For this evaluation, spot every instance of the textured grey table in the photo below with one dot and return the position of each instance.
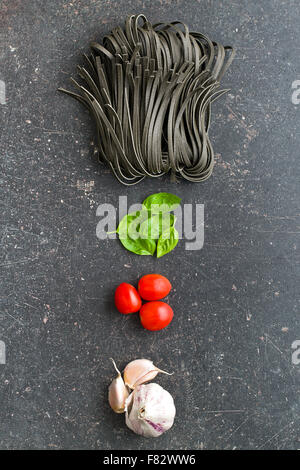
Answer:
(235, 300)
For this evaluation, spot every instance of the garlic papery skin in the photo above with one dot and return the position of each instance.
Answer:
(117, 393)
(140, 371)
(150, 410)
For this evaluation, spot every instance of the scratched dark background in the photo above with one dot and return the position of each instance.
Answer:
(235, 301)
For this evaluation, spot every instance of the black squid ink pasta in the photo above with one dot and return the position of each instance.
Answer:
(149, 89)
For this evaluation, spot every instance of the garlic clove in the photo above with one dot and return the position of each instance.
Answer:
(117, 393)
(147, 377)
(140, 371)
(150, 410)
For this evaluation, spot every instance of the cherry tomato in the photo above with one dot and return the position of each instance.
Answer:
(156, 315)
(127, 298)
(154, 287)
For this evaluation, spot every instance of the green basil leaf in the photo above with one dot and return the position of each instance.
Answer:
(138, 231)
(167, 241)
(139, 246)
(135, 224)
(161, 202)
(154, 226)
(122, 229)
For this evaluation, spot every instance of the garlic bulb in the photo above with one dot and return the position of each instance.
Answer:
(140, 371)
(150, 410)
(117, 393)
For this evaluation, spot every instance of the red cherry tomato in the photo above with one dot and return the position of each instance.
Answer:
(156, 315)
(127, 298)
(154, 287)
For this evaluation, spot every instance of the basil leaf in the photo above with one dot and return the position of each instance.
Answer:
(123, 227)
(167, 241)
(139, 246)
(154, 226)
(161, 202)
(138, 231)
(135, 224)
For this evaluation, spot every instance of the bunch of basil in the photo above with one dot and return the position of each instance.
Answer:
(152, 229)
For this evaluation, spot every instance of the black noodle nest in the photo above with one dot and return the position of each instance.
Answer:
(150, 89)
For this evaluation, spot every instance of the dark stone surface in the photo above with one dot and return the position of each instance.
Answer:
(235, 300)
